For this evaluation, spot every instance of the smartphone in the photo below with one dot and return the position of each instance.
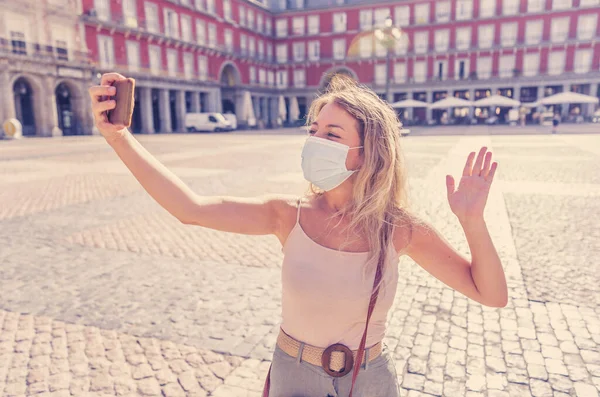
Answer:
(124, 99)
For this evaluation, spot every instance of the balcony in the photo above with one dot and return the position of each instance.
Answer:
(19, 49)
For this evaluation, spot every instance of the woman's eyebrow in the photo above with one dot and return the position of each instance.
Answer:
(330, 126)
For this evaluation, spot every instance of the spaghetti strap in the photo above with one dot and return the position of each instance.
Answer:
(298, 212)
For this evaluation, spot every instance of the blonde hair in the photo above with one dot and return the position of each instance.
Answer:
(380, 198)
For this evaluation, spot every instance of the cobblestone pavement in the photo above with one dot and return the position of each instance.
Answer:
(102, 293)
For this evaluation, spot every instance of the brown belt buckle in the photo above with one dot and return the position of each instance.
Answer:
(348, 360)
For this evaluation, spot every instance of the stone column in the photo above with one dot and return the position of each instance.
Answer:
(146, 110)
(180, 110)
(429, 112)
(195, 102)
(165, 111)
(593, 92)
(50, 114)
(540, 96)
(213, 102)
(7, 102)
(471, 98)
(565, 106)
(274, 110)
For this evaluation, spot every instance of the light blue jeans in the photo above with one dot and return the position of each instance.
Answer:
(291, 377)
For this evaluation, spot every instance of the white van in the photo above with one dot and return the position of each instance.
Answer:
(232, 119)
(207, 122)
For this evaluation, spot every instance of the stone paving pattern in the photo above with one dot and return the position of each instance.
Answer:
(103, 293)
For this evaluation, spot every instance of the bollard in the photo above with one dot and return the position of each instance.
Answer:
(13, 129)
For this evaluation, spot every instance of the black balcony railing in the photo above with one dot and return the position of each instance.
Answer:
(41, 52)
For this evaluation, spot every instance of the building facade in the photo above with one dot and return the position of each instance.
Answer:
(44, 67)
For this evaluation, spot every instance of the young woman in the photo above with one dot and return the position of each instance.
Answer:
(341, 242)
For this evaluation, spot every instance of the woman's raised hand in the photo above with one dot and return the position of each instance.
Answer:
(102, 102)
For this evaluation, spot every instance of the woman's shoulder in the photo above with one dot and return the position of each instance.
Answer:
(406, 223)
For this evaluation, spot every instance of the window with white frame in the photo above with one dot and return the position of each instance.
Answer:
(339, 49)
(400, 72)
(586, 26)
(268, 26)
(202, 67)
(533, 31)
(210, 6)
(133, 55)
(243, 44)
(442, 40)
(107, 51)
(507, 65)
(401, 46)
(559, 29)
(464, 10)
(300, 78)
(188, 65)
(271, 78)
(260, 24)
(252, 76)
(227, 9)
(420, 72)
(561, 4)
(508, 34)
(282, 27)
(298, 26)
(487, 8)
(463, 38)
(186, 2)
(262, 77)
(171, 23)
(172, 64)
(556, 62)
(299, 4)
(228, 36)
(251, 46)
(313, 24)
(186, 28)
(314, 50)
(461, 69)
(442, 11)
(282, 79)
(151, 13)
(282, 53)
(366, 19)
(199, 4)
(421, 42)
(510, 7)
(486, 36)
(484, 67)
(589, 3)
(261, 49)
(380, 50)
(250, 16)
(102, 8)
(583, 60)
(366, 47)
(380, 74)
(155, 58)
(536, 5)
(242, 15)
(402, 16)
(422, 14)
(201, 32)
(531, 64)
(441, 69)
(130, 13)
(212, 35)
(380, 16)
(339, 22)
(299, 51)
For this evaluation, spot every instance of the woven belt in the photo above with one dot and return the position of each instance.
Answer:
(332, 359)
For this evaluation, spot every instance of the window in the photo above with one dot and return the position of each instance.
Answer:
(106, 49)
(380, 50)
(186, 2)
(282, 79)
(536, 5)
(533, 31)
(243, 44)
(508, 34)
(250, 16)
(227, 9)
(270, 52)
(402, 16)
(486, 36)
(151, 12)
(260, 23)
(201, 32)
(510, 7)
(186, 28)
(282, 54)
(314, 50)
(271, 78)
(442, 40)
(422, 14)
(299, 51)
(212, 35)
(559, 29)
(484, 67)
(463, 38)
(171, 23)
(588, 3)
(251, 46)
(507, 66)
(556, 62)
(366, 19)
(261, 49)
(583, 61)
(242, 16)
(487, 8)
(154, 55)
(268, 27)
(400, 72)
(339, 22)
(172, 65)
(252, 75)
(464, 9)
(441, 70)
(130, 13)
(262, 77)
(402, 45)
(199, 4)
(228, 40)
(366, 47)
(300, 78)
(313, 24)
(102, 8)
(299, 4)
(62, 50)
(561, 4)
(339, 49)
(298, 26)
(531, 64)
(188, 65)
(421, 42)
(202, 67)
(210, 6)
(420, 72)
(380, 74)
(282, 27)
(586, 26)
(442, 11)
(381, 14)
(461, 69)
(133, 55)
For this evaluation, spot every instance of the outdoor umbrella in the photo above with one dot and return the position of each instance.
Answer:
(294, 109)
(568, 97)
(497, 100)
(248, 109)
(451, 102)
(409, 103)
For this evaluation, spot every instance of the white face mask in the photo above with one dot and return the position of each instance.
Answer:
(324, 162)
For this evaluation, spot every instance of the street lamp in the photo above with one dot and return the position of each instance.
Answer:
(388, 36)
